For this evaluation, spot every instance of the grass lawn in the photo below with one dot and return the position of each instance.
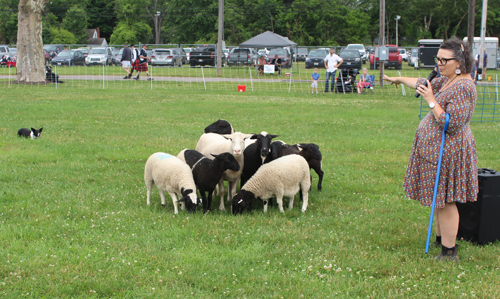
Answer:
(74, 220)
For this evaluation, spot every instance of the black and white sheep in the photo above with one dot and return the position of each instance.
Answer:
(255, 154)
(207, 172)
(309, 151)
(212, 143)
(170, 174)
(220, 127)
(283, 177)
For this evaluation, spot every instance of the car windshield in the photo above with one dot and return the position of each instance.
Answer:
(187, 50)
(302, 51)
(65, 53)
(50, 48)
(355, 47)
(97, 51)
(350, 54)
(277, 52)
(317, 53)
(392, 49)
(162, 52)
(414, 54)
(240, 51)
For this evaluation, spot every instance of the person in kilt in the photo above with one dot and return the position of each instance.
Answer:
(142, 63)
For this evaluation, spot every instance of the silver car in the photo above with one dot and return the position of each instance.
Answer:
(171, 57)
(99, 56)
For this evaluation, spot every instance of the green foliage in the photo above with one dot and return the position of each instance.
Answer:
(76, 22)
(60, 36)
(130, 33)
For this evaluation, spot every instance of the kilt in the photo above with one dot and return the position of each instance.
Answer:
(140, 67)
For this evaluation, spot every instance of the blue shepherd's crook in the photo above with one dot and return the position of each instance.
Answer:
(436, 183)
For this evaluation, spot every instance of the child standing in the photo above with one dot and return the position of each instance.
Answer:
(314, 78)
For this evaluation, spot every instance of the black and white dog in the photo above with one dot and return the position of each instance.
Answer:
(50, 76)
(33, 133)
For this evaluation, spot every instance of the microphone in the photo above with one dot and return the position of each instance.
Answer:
(432, 75)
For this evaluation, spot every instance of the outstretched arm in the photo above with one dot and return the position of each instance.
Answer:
(408, 81)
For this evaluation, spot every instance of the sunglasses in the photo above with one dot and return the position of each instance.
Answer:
(443, 61)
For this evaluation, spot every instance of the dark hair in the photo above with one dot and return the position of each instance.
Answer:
(461, 51)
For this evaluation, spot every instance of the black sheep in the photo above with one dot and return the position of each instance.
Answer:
(207, 172)
(220, 127)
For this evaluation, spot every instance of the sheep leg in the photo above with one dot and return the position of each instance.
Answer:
(149, 185)
(290, 203)
(316, 165)
(206, 203)
(162, 196)
(265, 206)
(279, 200)
(174, 200)
(221, 189)
(305, 201)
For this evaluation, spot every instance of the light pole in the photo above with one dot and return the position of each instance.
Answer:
(157, 27)
(397, 19)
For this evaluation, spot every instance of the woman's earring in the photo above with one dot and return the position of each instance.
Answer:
(457, 71)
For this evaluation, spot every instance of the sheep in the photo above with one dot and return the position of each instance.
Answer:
(206, 172)
(211, 143)
(174, 176)
(280, 177)
(254, 155)
(220, 127)
(309, 151)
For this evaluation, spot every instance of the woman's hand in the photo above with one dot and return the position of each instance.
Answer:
(393, 80)
(426, 92)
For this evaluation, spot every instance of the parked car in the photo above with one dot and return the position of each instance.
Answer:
(242, 56)
(302, 54)
(187, 51)
(4, 50)
(150, 54)
(13, 53)
(360, 48)
(413, 61)
(118, 57)
(352, 59)
(403, 54)
(395, 60)
(52, 49)
(171, 57)
(283, 54)
(99, 56)
(205, 55)
(316, 58)
(226, 52)
(69, 58)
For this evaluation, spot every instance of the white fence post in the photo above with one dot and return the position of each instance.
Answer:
(203, 74)
(251, 82)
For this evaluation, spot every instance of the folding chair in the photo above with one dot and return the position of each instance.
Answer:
(372, 81)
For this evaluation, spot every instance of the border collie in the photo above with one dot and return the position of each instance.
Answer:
(33, 133)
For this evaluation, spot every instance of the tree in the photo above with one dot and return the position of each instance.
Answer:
(130, 33)
(76, 22)
(30, 62)
(62, 36)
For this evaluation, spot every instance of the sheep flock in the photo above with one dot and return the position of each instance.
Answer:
(263, 167)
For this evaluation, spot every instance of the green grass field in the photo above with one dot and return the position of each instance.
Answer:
(74, 221)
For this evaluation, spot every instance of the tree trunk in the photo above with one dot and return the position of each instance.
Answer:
(30, 62)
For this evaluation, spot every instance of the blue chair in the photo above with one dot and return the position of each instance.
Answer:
(371, 81)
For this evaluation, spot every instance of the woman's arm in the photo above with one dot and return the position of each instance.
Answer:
(408, 81)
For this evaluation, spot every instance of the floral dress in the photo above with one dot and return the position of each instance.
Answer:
(458, 177)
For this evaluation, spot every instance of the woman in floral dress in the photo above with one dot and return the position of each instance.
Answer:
(453, 93)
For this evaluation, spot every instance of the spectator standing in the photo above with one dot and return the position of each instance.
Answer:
(473, 74)
(332, 62)
(143, 63)
(314, 79)
(485, 63)
(126, 58)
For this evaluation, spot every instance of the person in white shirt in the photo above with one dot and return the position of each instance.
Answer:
(332, 62)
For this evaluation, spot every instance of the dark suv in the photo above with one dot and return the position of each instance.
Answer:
(283, 54)
(352, 59)
(241, 56)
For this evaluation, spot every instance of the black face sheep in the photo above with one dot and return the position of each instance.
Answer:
(211, 143)
(309, 151)
(220, 127)
(280, 178)
(206, 172)
(174, 176)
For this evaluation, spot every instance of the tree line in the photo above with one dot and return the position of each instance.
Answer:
(306, 22)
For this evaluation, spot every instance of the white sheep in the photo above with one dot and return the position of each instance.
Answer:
(174, 176)
(214, 144)
(280, 178)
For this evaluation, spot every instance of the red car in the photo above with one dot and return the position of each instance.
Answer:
(395, 60)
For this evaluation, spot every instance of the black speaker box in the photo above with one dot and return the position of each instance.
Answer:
(480, 220)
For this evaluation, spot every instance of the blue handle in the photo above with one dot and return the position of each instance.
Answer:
(436, 183)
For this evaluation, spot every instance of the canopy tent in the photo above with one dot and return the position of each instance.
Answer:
(268, 39)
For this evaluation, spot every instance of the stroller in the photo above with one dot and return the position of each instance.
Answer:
(50, 76)
(346, 80)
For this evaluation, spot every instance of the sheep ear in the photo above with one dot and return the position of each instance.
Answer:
(182, 199)
(228, 137)
(220, 157)
(248, 136)
(254, 136)
(274, 136)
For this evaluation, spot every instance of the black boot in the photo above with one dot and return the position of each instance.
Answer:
(136, 78)
(448, 254)
(437, 243)
(129, 75)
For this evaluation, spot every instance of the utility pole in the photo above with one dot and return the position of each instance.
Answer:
(471, 21)
(398, 17)
(483, 34)
(157, 27)
(381, 41)
(219, 38)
